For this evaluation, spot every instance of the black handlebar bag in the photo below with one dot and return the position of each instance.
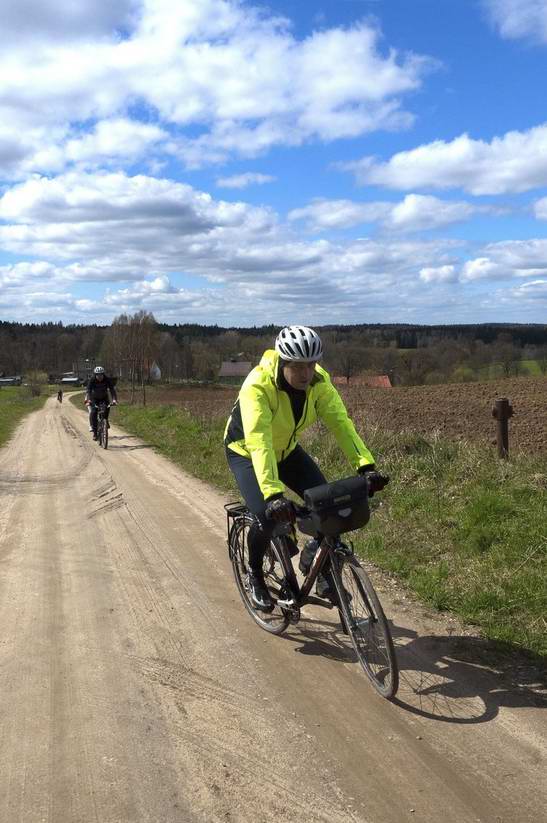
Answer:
(337, 507)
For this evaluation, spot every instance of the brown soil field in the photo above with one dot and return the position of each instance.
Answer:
(456, 410)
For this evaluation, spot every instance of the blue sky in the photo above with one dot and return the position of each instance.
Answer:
(238, 163)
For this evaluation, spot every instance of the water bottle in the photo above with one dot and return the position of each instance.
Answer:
(307, 555)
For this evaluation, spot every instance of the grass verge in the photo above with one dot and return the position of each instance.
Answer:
(15, 403)
(464, 530)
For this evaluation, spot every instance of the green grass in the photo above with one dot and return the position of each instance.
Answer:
(527, 368)
(15, 403)
(464, 530)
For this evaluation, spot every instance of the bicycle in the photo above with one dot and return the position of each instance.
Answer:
(331, 509)
(102, 424)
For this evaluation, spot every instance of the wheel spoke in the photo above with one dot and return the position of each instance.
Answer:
(275, 621)
(368, 629)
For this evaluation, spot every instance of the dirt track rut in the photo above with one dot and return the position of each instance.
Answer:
(134, 687)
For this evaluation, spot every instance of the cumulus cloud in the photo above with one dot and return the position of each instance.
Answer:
(416, 212)
(144, 233)
(323, 214)
(540, 209)
(241, 181)
(225, 67)
(439, 274)
(515, 162)
(508, 259)
(54, 21)
(117, 138)
(520, 19)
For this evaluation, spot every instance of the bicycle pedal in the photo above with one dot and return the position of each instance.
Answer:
(286, 602)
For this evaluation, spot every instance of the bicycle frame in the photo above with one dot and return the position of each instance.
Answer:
(302, 592)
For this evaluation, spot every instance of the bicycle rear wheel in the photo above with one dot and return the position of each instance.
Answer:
(367, 626)
(277, 620)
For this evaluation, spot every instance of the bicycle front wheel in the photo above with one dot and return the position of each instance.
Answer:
(105, 434)
(277, 620)
(367, 626)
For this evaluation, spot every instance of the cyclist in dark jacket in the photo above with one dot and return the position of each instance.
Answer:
(282, 396)
(97, 391)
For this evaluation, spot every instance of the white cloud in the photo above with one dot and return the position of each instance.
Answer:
(508, 259)
(515, 162)
(241, 181)
(439, 274)
(483, 268)
(117, 138)
(416, 212)
(87, 198)
(238, 74)
(339, 214)
(58, 20)
(530, 296)
(145, 232)
(540, 209)
(516, 19)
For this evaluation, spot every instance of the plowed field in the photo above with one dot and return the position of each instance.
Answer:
(462, 410)
(457, 410)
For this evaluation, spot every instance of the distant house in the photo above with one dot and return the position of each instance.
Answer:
(378, 381)
(234, 371)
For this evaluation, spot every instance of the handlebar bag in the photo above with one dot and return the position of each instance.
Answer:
(338, 507)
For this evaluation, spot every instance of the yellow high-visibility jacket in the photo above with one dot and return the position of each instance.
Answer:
(262, 425)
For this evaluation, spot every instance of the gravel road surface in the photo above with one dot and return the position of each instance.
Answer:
(134, 687)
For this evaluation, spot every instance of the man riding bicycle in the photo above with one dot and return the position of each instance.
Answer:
(97, 391)
(282, 396)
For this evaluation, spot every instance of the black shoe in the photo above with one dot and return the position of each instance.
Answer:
(293, 548)
(95, 436)
(325, 587)
(259, 594)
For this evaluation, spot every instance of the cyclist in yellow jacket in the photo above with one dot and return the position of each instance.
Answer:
(282, 396)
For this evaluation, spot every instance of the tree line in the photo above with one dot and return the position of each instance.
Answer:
(135, 345)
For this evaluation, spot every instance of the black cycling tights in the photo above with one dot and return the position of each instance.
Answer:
(298, 471)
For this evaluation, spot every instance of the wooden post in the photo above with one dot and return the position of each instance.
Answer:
(502, 411)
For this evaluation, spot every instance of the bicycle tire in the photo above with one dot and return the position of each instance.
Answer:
(276, 621)
(367, 625)
(104, 441)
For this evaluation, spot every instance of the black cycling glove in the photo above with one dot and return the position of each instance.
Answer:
(281, 510)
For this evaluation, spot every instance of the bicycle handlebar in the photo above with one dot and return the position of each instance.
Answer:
(376, 482)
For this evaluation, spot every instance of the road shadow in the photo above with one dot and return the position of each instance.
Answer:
(448, 678)
(461, 679)
(114, 443)
(322, 638)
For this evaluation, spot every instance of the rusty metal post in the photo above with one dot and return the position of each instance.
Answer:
(502, 411)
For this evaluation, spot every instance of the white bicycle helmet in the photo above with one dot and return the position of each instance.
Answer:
(299, 344)
(98, 370)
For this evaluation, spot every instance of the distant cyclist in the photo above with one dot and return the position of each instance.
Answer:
(60, 395)
(282, 396)
(97, 391)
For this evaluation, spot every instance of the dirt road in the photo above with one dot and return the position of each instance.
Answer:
(134, 687)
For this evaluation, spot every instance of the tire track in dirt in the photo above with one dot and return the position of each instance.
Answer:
(134, 686)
